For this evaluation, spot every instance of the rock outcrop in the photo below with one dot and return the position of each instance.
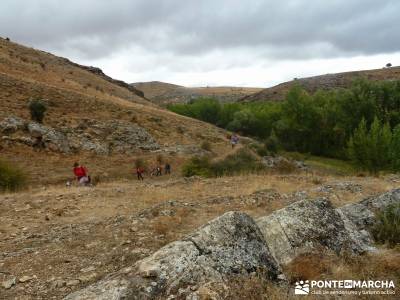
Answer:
(231, 244)
(11, 125)
(235, 244)
(99, 72)
(360, 217)
(89, 135)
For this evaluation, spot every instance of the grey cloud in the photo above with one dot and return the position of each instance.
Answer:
(191, 29)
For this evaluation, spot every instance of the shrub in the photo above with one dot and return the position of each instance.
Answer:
(205, 145)
(285, 166)
(11, 178)
(37, 110)
(272, 143)
(242, 161)
(260, 149)
(387, 227)
(197, 166)
(269, 148)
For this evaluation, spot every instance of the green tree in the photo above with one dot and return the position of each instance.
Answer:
(37, 110)
(395, 149)
(370, 150)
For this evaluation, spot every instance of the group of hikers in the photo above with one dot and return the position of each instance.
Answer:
(83, 178)
(156, 171)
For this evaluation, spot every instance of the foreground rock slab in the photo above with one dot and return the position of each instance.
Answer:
(231, 244)
(234, 244)
(304, 226)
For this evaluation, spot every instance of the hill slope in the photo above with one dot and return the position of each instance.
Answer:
(91, 117)
(326, 82)
(163, 93)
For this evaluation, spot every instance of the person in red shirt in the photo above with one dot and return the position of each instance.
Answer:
(139, 173)
(81, 174)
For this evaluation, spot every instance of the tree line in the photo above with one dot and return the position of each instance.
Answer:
(359, 123)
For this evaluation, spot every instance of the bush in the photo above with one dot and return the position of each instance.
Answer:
(197, 166)
(260, 149)
(272, 143)
(285, 166)
(11, 178)
(37, 110)
(242, 161)
(387, 227)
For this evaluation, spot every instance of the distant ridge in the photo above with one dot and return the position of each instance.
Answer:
(325, 82)
(163, 93)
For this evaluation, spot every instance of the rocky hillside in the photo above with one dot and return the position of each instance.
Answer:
(90, 117)
(163, 93)
(325, 82)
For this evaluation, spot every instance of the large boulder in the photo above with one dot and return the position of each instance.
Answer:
(303, 227)
(231, 244)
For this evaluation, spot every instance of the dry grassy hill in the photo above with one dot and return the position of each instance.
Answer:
(163, 93)
(57, 239)
(326, 82)
(82, 102)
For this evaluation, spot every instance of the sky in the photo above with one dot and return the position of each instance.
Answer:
(210, 42)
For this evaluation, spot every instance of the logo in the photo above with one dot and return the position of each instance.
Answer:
(345, 287)
(302, 288)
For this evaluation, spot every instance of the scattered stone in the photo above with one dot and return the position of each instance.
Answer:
(73, 282)
(276, 161)
(8, 282)
(26, 278)
(340, 186)
(87, 277)
(140, 252)
(56, 284)
(88, 269)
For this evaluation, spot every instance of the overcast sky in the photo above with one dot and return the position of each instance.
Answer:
(210, 42)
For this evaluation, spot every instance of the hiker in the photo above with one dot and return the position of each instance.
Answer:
(153, 172)
(139, 173)
(234, 140)
(158, 171)
(81, 174)
(167, 169)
